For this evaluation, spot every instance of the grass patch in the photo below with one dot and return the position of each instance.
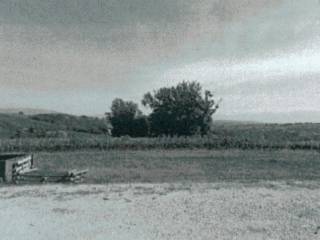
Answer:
(186, 165)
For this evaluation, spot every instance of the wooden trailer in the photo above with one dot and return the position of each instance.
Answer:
(19, 168)
(12, 164)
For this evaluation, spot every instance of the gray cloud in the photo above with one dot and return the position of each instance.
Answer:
(125, 47)
(295, 85)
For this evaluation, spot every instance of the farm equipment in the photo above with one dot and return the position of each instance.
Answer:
(19, 168)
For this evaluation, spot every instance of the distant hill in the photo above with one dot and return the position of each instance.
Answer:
(233, 122)
(26, 111)
(272, 117)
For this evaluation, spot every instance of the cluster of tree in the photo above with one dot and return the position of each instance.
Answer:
(181, 110)
(127, 119)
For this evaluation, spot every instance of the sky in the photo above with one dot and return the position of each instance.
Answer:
(76, 56)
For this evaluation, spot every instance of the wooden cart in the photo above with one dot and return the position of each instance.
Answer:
(19, 168)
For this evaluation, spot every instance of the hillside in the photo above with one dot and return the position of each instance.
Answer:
(11, 124)
(83, 124)
(49, 125)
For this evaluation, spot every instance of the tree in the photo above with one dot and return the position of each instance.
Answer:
(180, 110)
(127, 119)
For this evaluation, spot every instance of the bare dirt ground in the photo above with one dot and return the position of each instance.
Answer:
(161, 211)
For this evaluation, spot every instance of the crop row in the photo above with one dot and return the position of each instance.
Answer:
(105, 143)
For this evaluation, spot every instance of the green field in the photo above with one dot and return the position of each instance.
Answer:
(232, 151)
(186, 165)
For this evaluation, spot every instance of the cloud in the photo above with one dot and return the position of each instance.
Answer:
(127, 47)
(226, 73)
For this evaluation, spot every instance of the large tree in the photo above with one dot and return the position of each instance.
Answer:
(180, 110)
(127, 119)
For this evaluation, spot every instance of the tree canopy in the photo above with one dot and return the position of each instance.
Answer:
(180, 110)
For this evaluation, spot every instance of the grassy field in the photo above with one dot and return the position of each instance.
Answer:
(186, 165)
(233, 151)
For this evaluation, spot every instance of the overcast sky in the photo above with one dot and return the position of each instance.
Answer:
(76, 56)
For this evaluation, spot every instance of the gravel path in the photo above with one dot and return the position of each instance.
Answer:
(160, 211)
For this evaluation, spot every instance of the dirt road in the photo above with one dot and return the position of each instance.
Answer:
(160, 211)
